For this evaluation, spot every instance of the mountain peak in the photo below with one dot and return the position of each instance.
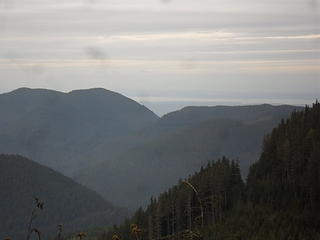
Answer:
(32, 92)
(26, 90)
(55, 122)
(92, 90)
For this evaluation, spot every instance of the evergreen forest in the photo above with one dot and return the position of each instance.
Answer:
(280, 199)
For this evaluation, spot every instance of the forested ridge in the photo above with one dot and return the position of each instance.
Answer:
(96, 136)
(280, 199)
(177, 145)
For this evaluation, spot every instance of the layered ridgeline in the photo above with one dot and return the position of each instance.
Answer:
(281, 199)
(178, 144)
(65, 202)
(112, 144)
(58, 129)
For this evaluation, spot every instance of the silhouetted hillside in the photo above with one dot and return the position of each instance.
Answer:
(56, 128)
(189, 116)
(281, 199)
(178, 144)
(112, 144)
(65, 202)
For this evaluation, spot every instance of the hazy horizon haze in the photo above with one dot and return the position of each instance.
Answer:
(165, 54)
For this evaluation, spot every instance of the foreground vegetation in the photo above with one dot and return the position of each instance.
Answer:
(280, 200)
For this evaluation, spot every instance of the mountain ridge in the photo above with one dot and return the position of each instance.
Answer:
(178, 147)
(279, 200)
(65, 201)
(55, 128)
(86, 132)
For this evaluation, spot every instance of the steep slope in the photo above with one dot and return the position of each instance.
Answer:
(281, 199)
(178, 144)
(56, 128)
(65, 202)
(176, 213)
(286, 179)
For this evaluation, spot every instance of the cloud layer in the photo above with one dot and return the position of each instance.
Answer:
(167, 49)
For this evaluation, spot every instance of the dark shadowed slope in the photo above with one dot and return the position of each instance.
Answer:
(56, 128)
(65, 202)
(112, 144)
(280, 200)
(178, 144)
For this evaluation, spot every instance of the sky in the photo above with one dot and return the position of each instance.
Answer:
(165, 54)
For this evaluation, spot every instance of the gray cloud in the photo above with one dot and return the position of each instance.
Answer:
(158, 47)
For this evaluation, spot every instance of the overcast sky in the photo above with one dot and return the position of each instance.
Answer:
(165, 53)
